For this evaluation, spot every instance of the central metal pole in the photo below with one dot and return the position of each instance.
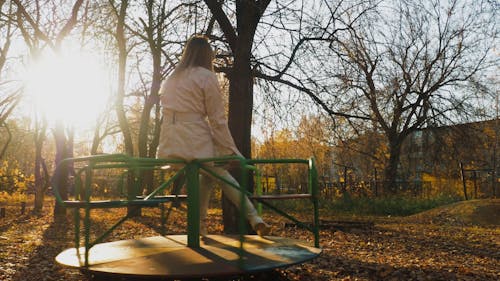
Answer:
(193, 204)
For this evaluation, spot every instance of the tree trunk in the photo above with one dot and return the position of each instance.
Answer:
(391, 169)
(147, 149)
(464, 181)
(240, 116)
(248, 14)
(60, 176)
(39, 180)
(7, 142)
(146, 114)
(121, 42)
(95, 140)
(122, 66)
(241, 104)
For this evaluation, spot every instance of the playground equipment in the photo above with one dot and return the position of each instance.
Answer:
(178, 256)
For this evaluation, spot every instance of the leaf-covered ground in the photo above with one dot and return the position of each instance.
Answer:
(456, 242)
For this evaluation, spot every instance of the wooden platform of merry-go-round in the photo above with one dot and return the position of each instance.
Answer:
(177, 256)
(169, 256)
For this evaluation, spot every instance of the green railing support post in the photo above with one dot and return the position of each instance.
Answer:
(76, 217)
(313, 180)
(193, 202)
(86, 218)
(243, 207)
(76, 211)
(258, 189)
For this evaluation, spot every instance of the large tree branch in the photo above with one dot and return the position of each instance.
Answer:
(149, 27)
(261, 7)
(10, 103)
(227, 28)
(7, 142)
(38, 32)
(294, 53)
(70, 24)
(310, 93)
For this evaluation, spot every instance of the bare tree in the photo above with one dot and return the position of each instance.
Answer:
(29, 22)
(105, 127)
(269, 41)
(408, 64)
(120, 13)
(8, 98)
(42, 179)
(154, 30)
(240, 38)
(6, 29)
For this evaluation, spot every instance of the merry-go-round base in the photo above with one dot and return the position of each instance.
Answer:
(162, 257)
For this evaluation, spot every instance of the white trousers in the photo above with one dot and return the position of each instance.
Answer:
(233, 194)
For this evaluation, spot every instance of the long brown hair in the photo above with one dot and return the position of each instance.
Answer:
(197, 52)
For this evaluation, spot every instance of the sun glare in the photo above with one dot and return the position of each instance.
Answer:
(73, 88)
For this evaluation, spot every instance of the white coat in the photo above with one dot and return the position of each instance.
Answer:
(195, 126)
(194, 122)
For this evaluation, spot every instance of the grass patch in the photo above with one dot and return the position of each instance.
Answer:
(383, 206)
(393, 206)
(479, 212)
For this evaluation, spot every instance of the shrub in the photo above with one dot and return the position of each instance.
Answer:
(12, 179)
(395, 206)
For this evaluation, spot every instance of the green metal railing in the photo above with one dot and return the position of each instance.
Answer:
(85, 167)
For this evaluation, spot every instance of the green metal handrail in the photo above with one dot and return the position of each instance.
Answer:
(191, 170)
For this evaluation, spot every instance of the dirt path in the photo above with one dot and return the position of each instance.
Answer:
(389, 249)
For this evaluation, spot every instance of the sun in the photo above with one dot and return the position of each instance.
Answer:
(73, 88)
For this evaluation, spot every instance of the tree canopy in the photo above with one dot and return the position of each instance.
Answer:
(371, 67)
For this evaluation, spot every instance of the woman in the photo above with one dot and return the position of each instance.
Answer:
(194, 124)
